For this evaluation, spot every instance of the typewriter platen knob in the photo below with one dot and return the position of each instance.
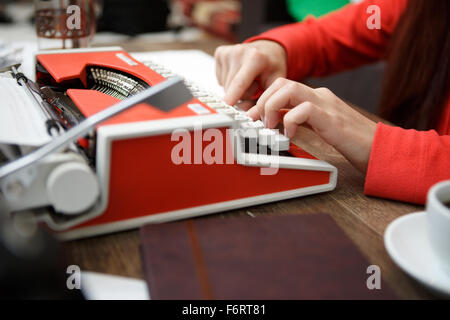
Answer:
(72, 188)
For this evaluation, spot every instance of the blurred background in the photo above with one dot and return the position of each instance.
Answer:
(234, 20)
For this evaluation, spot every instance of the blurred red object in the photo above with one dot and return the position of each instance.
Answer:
(219, 17)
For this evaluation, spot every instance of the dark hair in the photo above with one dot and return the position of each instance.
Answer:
(417, 76)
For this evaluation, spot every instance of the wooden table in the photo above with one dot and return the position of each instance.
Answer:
(364, 219)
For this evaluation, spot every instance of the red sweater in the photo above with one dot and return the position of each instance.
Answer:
(403, 164)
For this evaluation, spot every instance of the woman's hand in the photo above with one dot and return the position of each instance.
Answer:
(238, 67)
(332, 119)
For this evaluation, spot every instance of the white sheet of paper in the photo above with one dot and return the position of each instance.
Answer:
(194, 65)
(99, 286)
(21, 122)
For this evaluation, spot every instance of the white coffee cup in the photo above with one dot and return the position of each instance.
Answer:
(438, 219)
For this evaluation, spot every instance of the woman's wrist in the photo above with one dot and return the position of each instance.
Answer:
(358, 147)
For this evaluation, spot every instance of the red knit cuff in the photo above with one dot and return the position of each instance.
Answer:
(393, 173)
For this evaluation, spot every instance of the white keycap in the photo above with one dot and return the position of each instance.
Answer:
(207, 99)
(249, 133)
(251, 137)
(228, 112)
(199, 93)
(247, 125)
(280, 143)
(242, 118)
(216, 105)
(230, 108)
(242, 112)
(257, 124)
(266, 137)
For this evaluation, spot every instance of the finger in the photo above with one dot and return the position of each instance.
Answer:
(287, 96)
(235, 57)
(224, 70)
(221, 56)
(284, 93)
(246, 104)
(254, 113)
(234, 67)
(307, 114)
(243, 79)
(279, 83)
(218, 58)
(258, 111)
(219, 72)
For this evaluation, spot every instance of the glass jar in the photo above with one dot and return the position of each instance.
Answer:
(64, 24)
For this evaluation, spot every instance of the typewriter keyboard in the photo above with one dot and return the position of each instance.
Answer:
(256, 138)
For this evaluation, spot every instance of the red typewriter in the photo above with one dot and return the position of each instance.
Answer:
(167, 150)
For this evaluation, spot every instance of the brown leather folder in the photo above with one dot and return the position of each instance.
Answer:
(272, 257)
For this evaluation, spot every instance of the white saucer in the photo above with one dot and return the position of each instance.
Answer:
(407, 243)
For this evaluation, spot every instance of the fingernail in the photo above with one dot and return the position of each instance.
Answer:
(264, 121)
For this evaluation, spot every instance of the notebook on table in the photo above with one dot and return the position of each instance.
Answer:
(272, 257)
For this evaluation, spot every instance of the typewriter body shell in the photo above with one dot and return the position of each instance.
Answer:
(138, 180)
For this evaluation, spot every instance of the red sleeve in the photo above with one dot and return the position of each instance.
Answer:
(404, 164)
(338, 41)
